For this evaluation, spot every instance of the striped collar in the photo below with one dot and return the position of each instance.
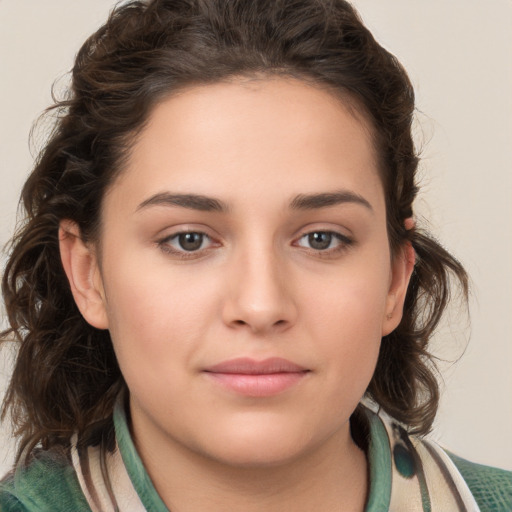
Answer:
(406, 473)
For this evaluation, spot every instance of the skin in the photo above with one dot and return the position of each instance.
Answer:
(257, 287)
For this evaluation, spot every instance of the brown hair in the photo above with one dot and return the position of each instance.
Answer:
(66, 377)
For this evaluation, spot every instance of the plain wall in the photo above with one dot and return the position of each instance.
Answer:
(459, 57)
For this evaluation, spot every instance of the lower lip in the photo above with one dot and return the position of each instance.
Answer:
(260, 385)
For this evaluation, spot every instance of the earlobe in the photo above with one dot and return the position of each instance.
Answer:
(81, 266)
(402, 268)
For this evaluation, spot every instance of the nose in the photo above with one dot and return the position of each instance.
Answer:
(259, 296)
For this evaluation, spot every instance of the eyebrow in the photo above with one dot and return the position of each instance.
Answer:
(190, 201)
(326, 199)
(211, 204)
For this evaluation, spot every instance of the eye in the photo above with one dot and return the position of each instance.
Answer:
(187, 241)
(323, 241)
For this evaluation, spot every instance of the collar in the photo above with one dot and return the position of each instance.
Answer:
(405, 473)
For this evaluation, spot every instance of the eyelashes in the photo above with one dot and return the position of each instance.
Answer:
(187, 244)
(196, 244)
(324, 241)
(189, 241)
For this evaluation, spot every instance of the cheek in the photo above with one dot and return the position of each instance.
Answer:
(352, 302)
(146, 292)
(346, 322)
(157, 318)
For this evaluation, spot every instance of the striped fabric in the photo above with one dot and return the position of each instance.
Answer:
(407, 474)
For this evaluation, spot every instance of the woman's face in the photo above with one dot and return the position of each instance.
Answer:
(245, 271)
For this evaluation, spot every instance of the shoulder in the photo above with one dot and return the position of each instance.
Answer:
(491, 487)
(426, 475)
(47, 483)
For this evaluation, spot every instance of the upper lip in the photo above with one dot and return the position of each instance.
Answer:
(248, 366)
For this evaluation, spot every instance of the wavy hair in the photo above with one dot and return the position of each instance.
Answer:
(66, 377)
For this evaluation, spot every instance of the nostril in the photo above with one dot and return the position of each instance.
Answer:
(241, 323)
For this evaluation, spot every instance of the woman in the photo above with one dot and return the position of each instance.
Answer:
(219, 262)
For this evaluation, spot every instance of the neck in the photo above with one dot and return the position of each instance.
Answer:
(330, 477)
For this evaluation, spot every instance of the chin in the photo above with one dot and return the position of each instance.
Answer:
(257, 456)
(259, 447)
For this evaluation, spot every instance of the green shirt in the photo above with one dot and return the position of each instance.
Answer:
(406, 474)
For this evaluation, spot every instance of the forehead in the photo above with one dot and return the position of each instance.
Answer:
(251, 136)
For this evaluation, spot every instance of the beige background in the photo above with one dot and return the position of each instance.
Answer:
(459, 56)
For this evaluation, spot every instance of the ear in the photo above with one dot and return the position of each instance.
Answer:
(401, 271)
(81, 266)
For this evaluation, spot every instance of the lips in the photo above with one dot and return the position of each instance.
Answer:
(253, 378)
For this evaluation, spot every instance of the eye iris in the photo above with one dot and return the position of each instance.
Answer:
(190, 241)
(320, 240)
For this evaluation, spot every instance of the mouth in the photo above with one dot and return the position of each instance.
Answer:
(253, 378)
